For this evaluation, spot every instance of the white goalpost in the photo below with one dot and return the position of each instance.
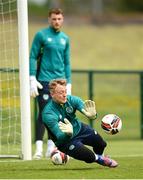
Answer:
(24, 78)
(15, 121)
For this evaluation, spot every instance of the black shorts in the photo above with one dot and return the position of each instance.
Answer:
(86, 136)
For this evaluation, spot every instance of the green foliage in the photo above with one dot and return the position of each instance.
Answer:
(131, 5)
(87, 8)
(37, 11)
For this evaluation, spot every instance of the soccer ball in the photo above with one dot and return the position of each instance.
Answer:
(59, 158)
(111, 124)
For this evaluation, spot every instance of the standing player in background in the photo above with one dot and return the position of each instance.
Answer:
(69, 134)
(49, 59)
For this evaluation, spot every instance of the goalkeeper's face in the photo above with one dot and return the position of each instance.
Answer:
(56, 21)
(60, 94)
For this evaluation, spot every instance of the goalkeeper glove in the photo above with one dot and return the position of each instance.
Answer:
(66, 127)
(68, 88)
(89, 109)
(34, 85)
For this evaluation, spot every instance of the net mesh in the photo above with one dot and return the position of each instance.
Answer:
(10, 131)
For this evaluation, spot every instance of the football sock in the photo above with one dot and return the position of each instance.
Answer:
(50, 144)
(39, 146)
(100, 160)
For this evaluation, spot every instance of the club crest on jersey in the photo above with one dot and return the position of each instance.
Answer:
(63, 41)
(71, 147)
(60, 117)
(69, 109)
(45, 96)
(49, 39)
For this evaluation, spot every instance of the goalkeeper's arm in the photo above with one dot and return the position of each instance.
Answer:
(89, 109)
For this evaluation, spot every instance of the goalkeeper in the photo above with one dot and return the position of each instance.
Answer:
(68, 132)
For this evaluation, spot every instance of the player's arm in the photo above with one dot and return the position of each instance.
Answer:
(67, 67)
(34, 54)
(52, 123)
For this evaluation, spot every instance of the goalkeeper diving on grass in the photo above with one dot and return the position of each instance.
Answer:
(69, 134)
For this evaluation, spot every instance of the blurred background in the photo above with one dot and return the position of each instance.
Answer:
(91, 11)
(105, 31)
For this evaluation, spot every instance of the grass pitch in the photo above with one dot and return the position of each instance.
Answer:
(128, 154)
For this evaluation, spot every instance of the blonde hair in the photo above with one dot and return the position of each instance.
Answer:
(53, 84)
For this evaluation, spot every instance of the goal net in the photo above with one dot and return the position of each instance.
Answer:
(10, 91)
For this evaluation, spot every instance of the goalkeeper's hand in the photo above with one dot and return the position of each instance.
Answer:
(90, 109)
(34, 85)
(66, 127)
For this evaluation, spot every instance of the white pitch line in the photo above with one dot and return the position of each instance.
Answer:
(122, 156)
(128, 155)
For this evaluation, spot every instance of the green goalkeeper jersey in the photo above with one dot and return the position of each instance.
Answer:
(53, 113)
(53, 50)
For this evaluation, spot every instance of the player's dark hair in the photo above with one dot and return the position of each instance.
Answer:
(55, 11)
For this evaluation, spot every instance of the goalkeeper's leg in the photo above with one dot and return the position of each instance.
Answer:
(40, 130)
(39, 133)
(91, 138)
(42, 99)
(50, 145)
(78, 151)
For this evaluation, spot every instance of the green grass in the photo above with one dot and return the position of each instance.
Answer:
(128, 154)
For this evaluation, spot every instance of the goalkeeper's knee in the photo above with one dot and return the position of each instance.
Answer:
(82, 153)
